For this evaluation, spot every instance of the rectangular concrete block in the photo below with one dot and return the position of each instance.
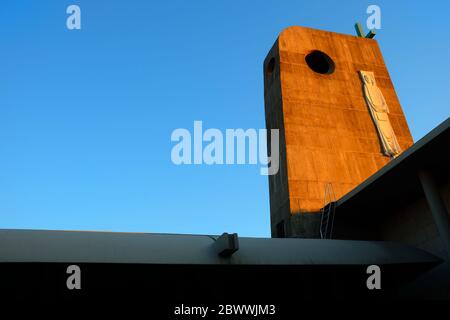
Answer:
(314, 95)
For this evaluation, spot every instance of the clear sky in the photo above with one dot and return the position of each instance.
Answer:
(86, 115)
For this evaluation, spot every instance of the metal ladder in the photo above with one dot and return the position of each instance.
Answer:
(328, 210)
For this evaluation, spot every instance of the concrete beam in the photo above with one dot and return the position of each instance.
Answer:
(227, 244)
(437, 207)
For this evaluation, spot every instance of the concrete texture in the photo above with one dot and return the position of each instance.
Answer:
(405, 214)
(326, 131)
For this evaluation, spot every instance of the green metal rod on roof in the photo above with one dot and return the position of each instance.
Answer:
(360, 31)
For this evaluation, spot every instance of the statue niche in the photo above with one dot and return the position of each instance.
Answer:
(379, 111)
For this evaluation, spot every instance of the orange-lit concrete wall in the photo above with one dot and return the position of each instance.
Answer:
(326, 131)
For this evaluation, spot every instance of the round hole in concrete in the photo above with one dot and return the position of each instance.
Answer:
(270, 67)
(320, 62)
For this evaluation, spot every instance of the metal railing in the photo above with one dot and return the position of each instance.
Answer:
(328, 210)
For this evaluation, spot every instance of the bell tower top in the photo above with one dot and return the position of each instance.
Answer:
(329, 131)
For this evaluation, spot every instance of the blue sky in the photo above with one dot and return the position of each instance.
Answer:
(86, 115)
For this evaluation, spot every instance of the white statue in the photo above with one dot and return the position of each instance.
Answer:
(379, 111)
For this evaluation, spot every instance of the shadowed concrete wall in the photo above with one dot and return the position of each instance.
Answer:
(414, 225)
(326, 132)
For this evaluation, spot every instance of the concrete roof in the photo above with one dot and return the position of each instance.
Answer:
(109, 247)
(397, 182)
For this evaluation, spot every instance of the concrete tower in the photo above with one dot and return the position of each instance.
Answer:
(328, 133)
